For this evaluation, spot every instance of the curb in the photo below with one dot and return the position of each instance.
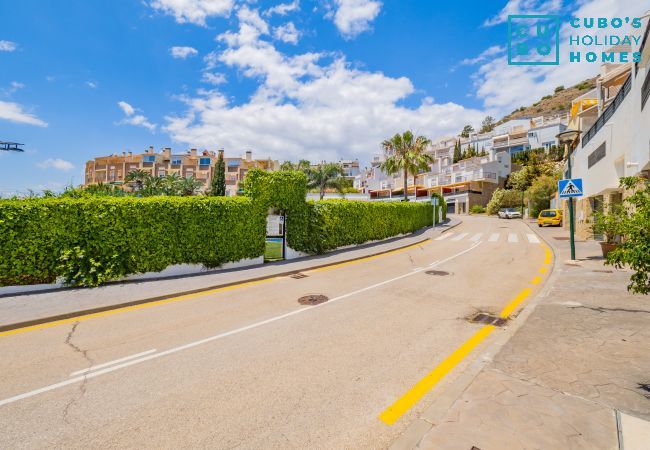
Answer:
(79, 313)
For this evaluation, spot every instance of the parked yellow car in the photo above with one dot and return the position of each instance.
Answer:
(550, 217)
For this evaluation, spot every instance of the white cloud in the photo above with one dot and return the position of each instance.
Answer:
(485, 54)
(503, 87)
(126, 108)
(524, 7)
(13, 87)
(183, 52)
(134, 119)
(91, 84)
(194, 11)
(287, 33)
(56, 163)
(8, 46)
(283, 8)
(353, 17)
(14, 112)
(312, 105)
(213, 78)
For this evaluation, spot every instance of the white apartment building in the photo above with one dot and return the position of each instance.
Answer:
(614, 120)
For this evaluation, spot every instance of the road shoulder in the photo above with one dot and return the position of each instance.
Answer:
(560, 374)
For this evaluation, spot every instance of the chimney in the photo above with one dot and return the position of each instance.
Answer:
(167, 151)
(221, 152)
(130, 153)
(206, 153)
(192, 152)
(123, 154)
(249, 155)
(150, 151)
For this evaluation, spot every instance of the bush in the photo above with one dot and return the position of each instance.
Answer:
(559, 89)
(90, 241)
(335, 223)
(504, 198)
(477, 209)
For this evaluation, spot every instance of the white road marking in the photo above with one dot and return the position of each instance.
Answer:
(460, 236)
(110, 363)
(476, 237)
(532, 238)
(512, 238)
(180, 348)
(494, 237)
(444, 236)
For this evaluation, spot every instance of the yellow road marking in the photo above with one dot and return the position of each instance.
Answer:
(542, 270)
(536, 280)
(548, 255)
(515, 302)
(404, 403)
(194, 295)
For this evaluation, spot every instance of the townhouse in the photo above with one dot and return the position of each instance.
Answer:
(114, 168)
(614, 121)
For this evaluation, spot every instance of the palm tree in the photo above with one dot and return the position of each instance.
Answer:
(323, 176)
(171, 184)
(406, 153)
(137, 176)
(189, 186)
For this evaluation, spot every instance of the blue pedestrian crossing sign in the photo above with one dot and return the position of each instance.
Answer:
(570, 188)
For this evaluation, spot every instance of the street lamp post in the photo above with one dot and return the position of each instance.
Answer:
(568, 138)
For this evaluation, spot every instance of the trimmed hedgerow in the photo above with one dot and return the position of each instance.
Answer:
(92, 240)
(335, 223)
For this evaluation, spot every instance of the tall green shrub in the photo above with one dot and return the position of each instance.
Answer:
(218, 182)
(123, 235)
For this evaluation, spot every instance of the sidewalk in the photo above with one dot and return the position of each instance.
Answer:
(39, 307)
(574, 375)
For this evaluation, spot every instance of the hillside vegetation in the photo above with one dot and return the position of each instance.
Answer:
(554, 103)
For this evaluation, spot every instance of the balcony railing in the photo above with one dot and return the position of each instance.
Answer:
(609, 112)
(645, 89)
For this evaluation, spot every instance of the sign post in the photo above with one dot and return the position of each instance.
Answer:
(434, 202)
(569, 188)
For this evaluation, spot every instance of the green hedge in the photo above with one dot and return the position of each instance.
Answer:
(91, 240)
(335, 223)
(132, 235)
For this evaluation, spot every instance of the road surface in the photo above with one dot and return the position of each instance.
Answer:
(250, 367)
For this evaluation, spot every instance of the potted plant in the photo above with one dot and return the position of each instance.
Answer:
(609, 222)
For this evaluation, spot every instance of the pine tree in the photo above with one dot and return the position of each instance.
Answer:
(218, 182)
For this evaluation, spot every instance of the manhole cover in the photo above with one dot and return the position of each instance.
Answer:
(297, 276)
(440, 273)
(488, 319)
(313, 299)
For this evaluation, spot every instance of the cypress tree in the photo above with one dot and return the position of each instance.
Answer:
(457, 153)
(218, 182)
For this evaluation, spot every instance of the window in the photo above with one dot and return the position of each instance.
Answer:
(548, 213)
(233, 163)
(149, 158)
(596, 155)
(176, 162)
(548, 145)
(204, 161)
(162, 173)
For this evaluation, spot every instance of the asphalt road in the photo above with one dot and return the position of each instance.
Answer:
(250, 367)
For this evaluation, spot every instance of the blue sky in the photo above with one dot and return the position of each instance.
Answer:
(323, 79)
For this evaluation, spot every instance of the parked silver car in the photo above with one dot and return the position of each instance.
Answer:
(509, 213)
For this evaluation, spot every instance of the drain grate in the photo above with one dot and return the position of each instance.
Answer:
(488, 319)
(439, 273)
(313, 299)
(603, 271)
(297, 276)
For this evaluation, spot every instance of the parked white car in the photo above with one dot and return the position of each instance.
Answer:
(509, 213)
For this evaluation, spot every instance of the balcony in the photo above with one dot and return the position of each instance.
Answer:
(609, 112)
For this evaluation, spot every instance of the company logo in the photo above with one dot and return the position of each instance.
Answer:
(533, 40)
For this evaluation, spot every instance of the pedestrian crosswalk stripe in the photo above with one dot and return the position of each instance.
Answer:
(532, 238)
(476, 237)
(494, 237)
(444, 236)
(512, 238)
(460, 236)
